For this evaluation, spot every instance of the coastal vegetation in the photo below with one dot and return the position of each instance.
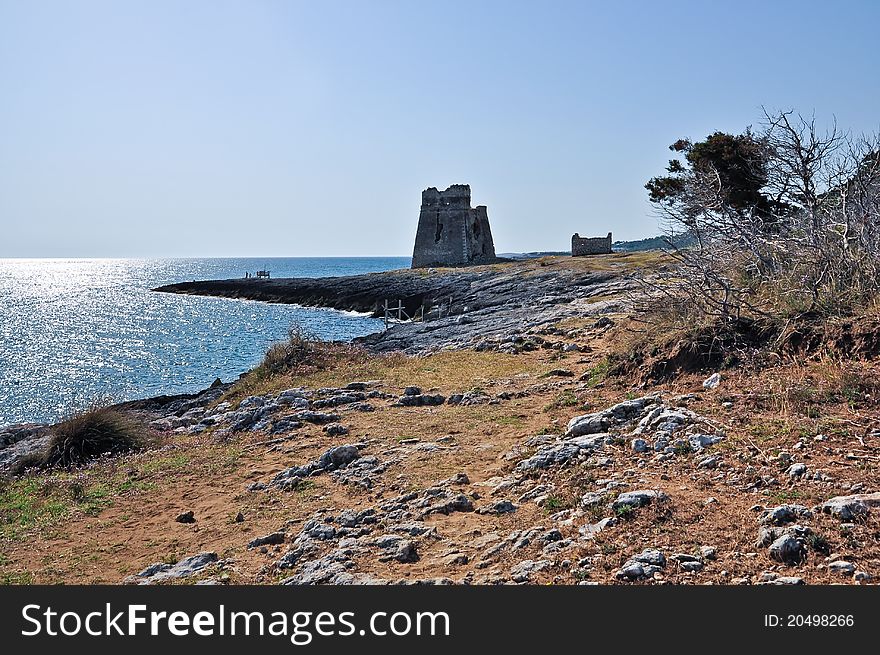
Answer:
(87, 435)
(783, 253)
(300, 353)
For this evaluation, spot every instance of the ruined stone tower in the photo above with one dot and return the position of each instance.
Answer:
(451, 232)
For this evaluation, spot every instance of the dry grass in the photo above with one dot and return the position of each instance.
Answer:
(302, 353)
(659, 347)
(808, 389)
(661, 344)
(334, 365)
(644, 260)
(459, 370)
(86, 436)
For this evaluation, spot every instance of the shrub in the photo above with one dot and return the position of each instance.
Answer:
(597, 374)
(299, 348)
(784, 224)
(86, 436)
(782, 250)
(784, 231)
(301, 353)
(819, 544)
(624, 511)
(565, 399)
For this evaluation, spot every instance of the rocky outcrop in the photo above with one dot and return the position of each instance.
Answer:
(849, 508)
(486, 309)
(357, 293)
(20, 441)
(164, 572)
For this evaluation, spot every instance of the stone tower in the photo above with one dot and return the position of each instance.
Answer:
(451, 232)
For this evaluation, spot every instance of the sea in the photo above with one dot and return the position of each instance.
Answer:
(74, 332)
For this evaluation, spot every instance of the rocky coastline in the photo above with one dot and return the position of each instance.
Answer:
(471, 307)
(500, 452)
(492, 307)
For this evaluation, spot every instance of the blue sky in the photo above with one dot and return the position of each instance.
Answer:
(310, 128)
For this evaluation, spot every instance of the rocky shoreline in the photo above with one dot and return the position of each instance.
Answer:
(507, 456)
(21, 440)
(636, 443)
(500, 307)
(481, 307)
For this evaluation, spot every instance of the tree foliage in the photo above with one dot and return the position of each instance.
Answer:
(736, 165)
(785, 220)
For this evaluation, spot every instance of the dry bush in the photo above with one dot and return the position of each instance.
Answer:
(302, 353)
(301, 357)
(812, 248)
(86, 436)
(659, 343)
(806, 249)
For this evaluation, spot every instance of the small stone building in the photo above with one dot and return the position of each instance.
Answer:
(590, 245)
(450, 231)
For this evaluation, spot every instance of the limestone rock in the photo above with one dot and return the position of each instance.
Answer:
(788, 550)
(638, 498)
(271, 539)
(499, 507)
(782, 514)
(524, 571)
(847, 508)
(712, 381)
(331, 460)
(842, 567)
(161, 572)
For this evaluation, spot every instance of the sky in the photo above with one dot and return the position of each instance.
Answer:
(285, 128)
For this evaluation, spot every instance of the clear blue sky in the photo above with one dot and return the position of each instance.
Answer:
(266, 128)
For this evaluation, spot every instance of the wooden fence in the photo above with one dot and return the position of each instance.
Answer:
(431, 311)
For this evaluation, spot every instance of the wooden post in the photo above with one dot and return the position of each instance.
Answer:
(386, 314)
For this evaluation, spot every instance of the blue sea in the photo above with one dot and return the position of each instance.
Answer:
(77, 331)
